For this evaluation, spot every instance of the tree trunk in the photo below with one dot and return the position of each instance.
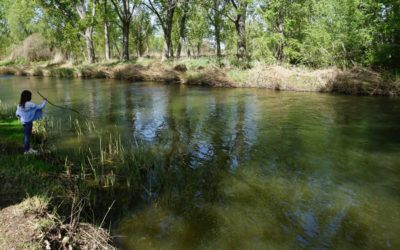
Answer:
(179, 49)
(82, 11)
(107, 42)
(240, 25)
(182, 30)
(216, 21)
(169, 52)
(89, 45)
(140, 44)
(125, 41)
(124, 13)
(279, 26)
(106, 34)
(198, 49)
(218, 39)
(168, 29)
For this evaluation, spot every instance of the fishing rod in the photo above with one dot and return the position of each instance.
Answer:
(57, 106)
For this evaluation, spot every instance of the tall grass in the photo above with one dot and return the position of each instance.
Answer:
(98, 160)
(6, 111)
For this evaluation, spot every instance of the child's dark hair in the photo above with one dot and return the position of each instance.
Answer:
(26, 96)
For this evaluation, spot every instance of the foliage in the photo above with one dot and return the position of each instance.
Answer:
(305, 32)
(142, 29)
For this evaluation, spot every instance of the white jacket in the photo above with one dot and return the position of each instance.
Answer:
(31, 112)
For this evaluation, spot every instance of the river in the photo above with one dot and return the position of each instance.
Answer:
(253, 168)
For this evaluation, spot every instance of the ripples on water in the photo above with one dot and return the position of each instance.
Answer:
(249, 168)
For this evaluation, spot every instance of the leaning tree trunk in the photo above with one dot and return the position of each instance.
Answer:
(125, 41)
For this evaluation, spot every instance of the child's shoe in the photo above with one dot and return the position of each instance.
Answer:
(31, 152)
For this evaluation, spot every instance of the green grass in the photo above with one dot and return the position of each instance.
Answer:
(105, 163)
(238, 76)
(10, 131)
(62, 72)
(12, 62)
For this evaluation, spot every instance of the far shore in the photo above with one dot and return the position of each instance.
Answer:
(355, 81)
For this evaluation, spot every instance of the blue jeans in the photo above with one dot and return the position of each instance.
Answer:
(27, 135)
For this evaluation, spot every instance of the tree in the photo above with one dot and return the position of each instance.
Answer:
(142, 30)
(184, 9)
(386, 36)
(86, 10)
(107, 43)
(164, 10)
(4, 30)
(125, 9)
(287, 22)
(62, 26)
(20, 19)
(197, 28)
(239, 12)
(216, 9)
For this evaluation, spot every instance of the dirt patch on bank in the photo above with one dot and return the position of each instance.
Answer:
(29, 225)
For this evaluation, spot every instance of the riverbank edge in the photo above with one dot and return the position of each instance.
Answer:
(355, 81)
(29, 223)
(45, 229)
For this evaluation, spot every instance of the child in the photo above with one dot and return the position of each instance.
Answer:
(29, 112)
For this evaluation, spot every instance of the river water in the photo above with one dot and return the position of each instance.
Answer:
(253, 169)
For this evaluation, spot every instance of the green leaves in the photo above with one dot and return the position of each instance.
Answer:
(315, 33)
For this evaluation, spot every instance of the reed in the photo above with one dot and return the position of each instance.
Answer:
(102, 160)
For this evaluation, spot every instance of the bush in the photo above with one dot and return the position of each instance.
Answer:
(62, 72)
(33, 48)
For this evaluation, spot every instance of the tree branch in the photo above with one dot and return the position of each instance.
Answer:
(117, 9)
(131, 12)
(234, 4)
(154, 10)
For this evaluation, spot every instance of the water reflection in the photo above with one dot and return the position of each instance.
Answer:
(248, 168)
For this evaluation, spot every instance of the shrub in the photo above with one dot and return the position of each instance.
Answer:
(33, 48)
(62, 72)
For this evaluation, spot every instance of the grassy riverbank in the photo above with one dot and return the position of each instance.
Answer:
(207, 72)
(41, 205)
